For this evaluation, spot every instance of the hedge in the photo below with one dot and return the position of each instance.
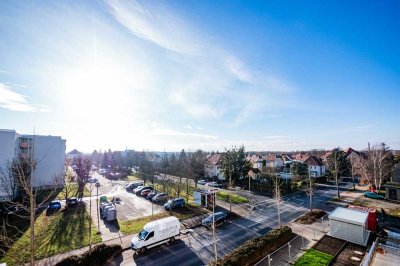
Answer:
(98, 255)
(253, 250)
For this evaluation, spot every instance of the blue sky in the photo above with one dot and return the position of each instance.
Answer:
(155, 75)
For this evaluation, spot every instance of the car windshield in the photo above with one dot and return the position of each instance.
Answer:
(142, 234)
(139, 187)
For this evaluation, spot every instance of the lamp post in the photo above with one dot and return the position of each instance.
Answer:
(97, 204)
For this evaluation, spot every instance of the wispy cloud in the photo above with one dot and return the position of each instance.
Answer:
(14, 101)
(205, 80)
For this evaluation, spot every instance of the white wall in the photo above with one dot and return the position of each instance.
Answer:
(8, 148)
(49, 155)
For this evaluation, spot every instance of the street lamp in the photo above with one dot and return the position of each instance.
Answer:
(97, 204)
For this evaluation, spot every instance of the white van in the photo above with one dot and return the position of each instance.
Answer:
(156, 233)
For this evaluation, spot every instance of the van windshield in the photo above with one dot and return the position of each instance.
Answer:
(142, 234)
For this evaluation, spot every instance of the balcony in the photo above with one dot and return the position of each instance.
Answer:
(24, 145)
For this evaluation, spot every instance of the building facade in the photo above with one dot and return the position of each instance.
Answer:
(212, 167)
(48, 153)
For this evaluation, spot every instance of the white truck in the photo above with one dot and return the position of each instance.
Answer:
(156, 233)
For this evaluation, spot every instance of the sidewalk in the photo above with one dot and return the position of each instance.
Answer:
(124, 241)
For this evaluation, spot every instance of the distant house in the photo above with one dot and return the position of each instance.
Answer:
(255, 173)
(392, 188)
(300, 157)
(273, 161)
(287, 158)
(315, 166)
(212, 167)
(73, 155)
(256, 161)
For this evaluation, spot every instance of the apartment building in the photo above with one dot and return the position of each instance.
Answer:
(48, 152)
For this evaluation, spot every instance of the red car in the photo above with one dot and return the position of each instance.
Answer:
(145, 192)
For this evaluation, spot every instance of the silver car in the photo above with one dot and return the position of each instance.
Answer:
(160, 197)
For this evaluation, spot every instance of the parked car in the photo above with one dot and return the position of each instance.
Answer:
(160, 197)
(54, 206)
(219, 217)
(7, 209)
(201, 182)
(151, 195)
(139, 189)
(214, 184)
(71, 202)
(145, 192)
(132, 186)
(174, 203)
(373, 195)
(156, 233)
(92, 180)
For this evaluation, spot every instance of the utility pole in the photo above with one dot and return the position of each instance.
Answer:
(97, 204)
(213, 226)
(90, 220)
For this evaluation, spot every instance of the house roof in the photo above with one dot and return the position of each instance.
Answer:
(349, 216)
(349, 151)
(74, 151)
(313, 160)
(215, 159)
(255, 170)
(300, 157)
(326, 155)
(254, 158)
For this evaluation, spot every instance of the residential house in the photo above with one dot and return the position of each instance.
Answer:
(300, 157)
(254, 173)
(256, 161)
(212, 166)
(72, 155)
(48, 152)
(287, 159)
(392, 188)
(273, 161)
(315, 166)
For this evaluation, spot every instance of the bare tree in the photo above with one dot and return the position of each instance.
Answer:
(83, 166)
(30, 201)
(381, 160)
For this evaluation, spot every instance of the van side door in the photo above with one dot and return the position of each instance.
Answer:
(150, 239)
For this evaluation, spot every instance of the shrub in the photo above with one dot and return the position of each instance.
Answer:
(98, 255)
(252, 250)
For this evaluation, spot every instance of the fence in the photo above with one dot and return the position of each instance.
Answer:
(287, 254)
(368, 258)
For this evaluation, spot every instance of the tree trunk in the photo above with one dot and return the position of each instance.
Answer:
(32, 224)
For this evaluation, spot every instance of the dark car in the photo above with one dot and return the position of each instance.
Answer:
(6, 209)
(131, 186)
(139, 189)
(71, 202)
(160, 197)
(219, 217)
(174, 203)
(54, 206)
(145, 192)
(151, 195)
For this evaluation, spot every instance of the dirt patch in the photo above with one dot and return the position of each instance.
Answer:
(310, 217)
(329, 245)
(349, 255)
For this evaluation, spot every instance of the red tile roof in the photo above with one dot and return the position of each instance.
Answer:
(215, 159)
(313, 160)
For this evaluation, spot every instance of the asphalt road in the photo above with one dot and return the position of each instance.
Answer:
(198, 248)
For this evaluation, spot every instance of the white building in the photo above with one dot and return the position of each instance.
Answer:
(212, 166)
(315, 166)
(48, 152)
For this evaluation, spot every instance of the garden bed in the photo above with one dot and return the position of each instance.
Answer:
(311, 217)
(344, 257)
(329, 245)
(314, 257)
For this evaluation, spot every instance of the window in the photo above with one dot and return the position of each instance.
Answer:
(150, 235)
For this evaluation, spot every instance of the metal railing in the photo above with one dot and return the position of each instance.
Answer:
(288, 253)
(368, 258)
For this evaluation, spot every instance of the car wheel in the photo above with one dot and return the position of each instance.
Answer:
(224, 220)
(142, 250)
(171, 240)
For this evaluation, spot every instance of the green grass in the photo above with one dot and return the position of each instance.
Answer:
(314, 257)
(61, 232)
(73, 191)
(134, 177)
(222, 195)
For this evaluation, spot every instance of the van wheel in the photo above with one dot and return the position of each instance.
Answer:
(142, 250)
(171, 240)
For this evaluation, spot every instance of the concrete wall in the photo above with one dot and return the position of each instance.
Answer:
(8, 148)
(49, 155)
